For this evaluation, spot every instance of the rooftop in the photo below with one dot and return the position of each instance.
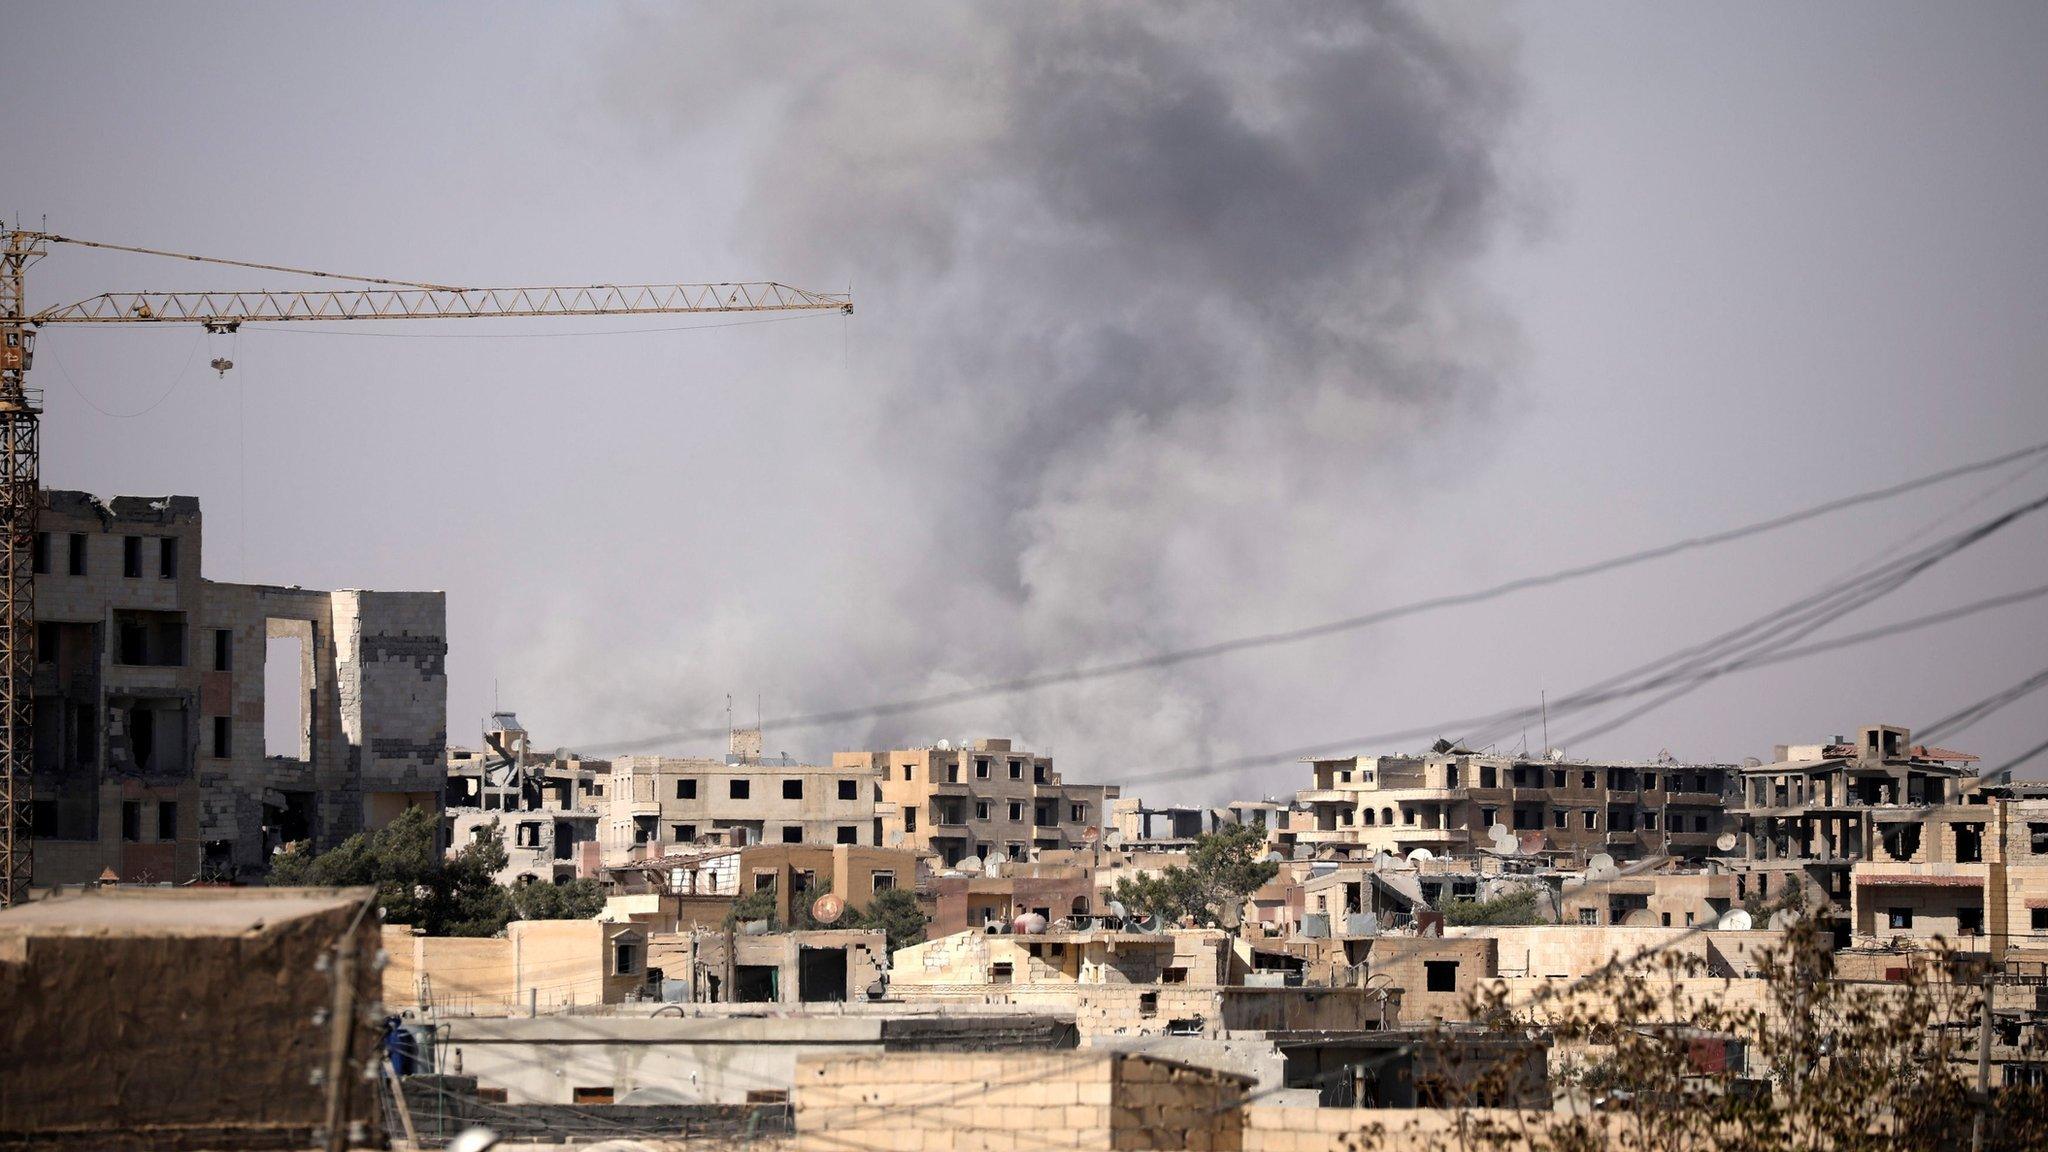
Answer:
(172, 911)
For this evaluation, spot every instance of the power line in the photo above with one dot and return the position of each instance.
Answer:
(1219, 648)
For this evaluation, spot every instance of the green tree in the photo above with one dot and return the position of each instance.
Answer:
(756, 905)
(572, 900)
(1516, 907)
(416, 883)
(1223, 869)
(895, 912)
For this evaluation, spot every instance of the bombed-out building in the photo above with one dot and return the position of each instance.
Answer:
(150, 755)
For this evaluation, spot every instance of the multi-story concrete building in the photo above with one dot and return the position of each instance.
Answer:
(746, 798)
(546, 806)
(150, 751)
(1447, 801)
(984, 799)
(1884, 838)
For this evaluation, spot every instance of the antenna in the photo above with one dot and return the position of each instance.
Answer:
(1543, 701)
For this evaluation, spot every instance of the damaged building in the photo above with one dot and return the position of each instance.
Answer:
(150, 751)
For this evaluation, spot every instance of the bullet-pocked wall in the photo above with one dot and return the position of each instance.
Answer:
(150, 702)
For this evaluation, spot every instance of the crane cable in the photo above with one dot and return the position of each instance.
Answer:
(55, 239)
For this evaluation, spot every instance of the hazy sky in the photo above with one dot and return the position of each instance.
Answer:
(1173, 325)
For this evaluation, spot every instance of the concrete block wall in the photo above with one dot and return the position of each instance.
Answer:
(958, 1102)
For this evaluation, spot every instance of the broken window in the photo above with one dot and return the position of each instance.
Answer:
(152, 734)
(1589, 817)
(792, 833)
(1078, 813)
(1016, 810)
(223, 738)
(793, 789)
(2038, 919)
(1016, 769)
(909, 819)
(149, 639)
(1148, 1003)
(131, 557)
(999, 972)
(1901, 918)
(684, 833)
(1589, 916)
(77, 558)
(686, 789)
(981, 809)
(527, 834)
(1969, 843)
(625, 958)
(131, 820)
(2037, 839)
(167, 558)
(980, 768)
(739, 789)
(40, 554)
(1969, 921)
(223, 650)
(288, 688)
(1440, 975)
(849, 789)
(848, 834)
(1557, 818)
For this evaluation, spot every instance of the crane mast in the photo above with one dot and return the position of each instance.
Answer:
(20, 497)
(375, 298)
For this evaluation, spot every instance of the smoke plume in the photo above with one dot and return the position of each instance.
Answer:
(1155, 301)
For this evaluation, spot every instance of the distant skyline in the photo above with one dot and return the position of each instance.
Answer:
(1173, 325)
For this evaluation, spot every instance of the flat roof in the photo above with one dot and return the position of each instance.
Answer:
(172, 911)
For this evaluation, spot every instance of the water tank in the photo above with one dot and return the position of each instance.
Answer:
(1029, 924)
(1316, 925)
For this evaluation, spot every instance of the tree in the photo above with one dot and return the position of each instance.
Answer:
(1516, 907)
(1224, 868)
(756, 905)
(571, 900)
(418, 884)
(1829, 1064)
(895, 912)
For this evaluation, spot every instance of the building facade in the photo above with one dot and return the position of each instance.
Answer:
(984, 799)
(656, 801)
(1448, 801)
(149, 703)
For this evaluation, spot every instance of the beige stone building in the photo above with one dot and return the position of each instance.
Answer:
(546, 806)
(747, 798)
(1874, 813)
(1448, 800)
(536, 964)
(986, 799)
(150, 700)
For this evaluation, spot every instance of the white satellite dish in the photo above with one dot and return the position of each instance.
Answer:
(1725, 842)
(1116, 909)
(1275, 858)
(1735, 920)
(945, 745)
(992, 867)
(972, 864)
(1419, 855)
(1504, 842)
(1554, 755)
(1783, 919)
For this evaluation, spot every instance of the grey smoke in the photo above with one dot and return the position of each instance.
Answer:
(1154, 300)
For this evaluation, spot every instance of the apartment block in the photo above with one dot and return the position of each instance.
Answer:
(1885, 836)
(1447, 801)
(653, 801)
(984, 799)
(545, 805)
(151, 758)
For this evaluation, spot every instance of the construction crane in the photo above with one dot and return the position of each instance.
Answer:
(372, 298)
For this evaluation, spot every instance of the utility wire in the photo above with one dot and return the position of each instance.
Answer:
(1215, 649)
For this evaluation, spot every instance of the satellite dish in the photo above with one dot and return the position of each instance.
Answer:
(1091, 834)
(992, 867)
(1601, 867)
(1554, 755)
(1116, 909)
(1726, 842)
(827, 909)
(972, 864)
(1504, 841)
(1383, 861)
(1640, 918)
(1275, 858)
(1736, 920)
(1783, 919)
(1029, 924)
(1419, 855)
(945, 745)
